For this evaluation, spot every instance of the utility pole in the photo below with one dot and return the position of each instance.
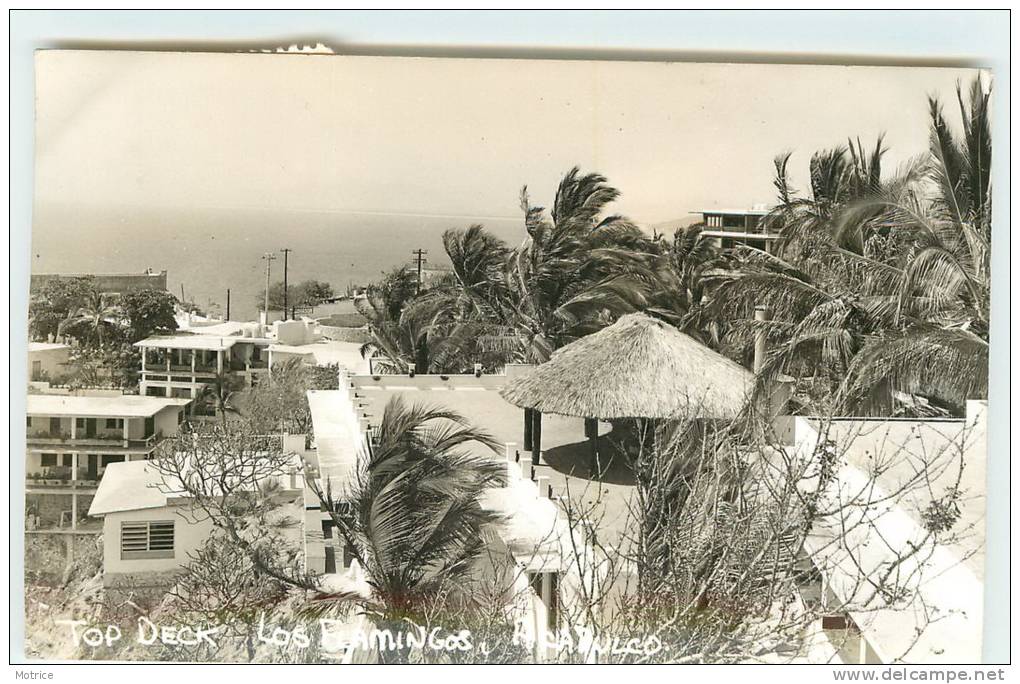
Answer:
(228, 304)
(269, 257)
(419, 255)
(286, 252)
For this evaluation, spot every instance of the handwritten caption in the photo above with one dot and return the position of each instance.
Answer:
(337, 637)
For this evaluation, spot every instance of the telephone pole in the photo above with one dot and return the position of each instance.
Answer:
(269, 257)
(228, 305)
(286, 252)
(419, 255)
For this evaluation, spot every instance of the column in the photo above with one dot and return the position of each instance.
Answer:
(536, 436)
(591, 431)
(168, 353)
(219, 361)
(527, 429)
(74, 493)
(127, 433)
(74, 428)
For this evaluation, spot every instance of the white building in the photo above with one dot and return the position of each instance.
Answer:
(150, 527)
(181, 365)
(533, 535)
(732, 227)
(48, 361)
(71, 440)
(892, 471)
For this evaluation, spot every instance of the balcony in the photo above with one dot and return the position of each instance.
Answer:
(107, 441)
(60, 477)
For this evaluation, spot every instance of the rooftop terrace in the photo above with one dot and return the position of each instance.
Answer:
(120, 406)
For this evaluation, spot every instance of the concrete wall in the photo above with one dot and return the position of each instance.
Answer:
(430, 382)
(120, 283)
(188, 537)
(49, 363)
(167, 420)
(295, 332)
(345, 334)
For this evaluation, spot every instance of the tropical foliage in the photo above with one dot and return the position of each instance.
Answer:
(103, 327)
(877, 290)
(412, 519)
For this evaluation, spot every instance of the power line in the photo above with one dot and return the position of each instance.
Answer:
(269, 257)
(286, 252)
(419, 255)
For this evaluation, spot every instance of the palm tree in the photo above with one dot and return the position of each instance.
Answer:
(561, 282)
(412, 518)
(823, 289)
(95, 314)
(879, 286)
(567, 279)
(219, 394)
(939, 346)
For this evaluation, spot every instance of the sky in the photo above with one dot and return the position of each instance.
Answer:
(190, 161)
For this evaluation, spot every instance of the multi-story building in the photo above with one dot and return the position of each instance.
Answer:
(732, 227)
(178, 366)
(72, 439)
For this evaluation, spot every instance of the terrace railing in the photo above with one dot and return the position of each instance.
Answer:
(107, 441)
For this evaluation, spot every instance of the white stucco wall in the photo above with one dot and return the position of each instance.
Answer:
(51, 361)
(188, 537)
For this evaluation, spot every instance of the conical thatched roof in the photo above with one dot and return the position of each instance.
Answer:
(639, 367)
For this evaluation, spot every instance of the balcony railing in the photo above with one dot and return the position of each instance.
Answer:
(180, 367)
(108, 441)
(60, 476)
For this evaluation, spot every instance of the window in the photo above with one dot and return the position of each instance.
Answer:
(79, 422)
(147, 539)
(67, 460)
(114, 423)
(48, 460)
(28, 421)
(107, 460)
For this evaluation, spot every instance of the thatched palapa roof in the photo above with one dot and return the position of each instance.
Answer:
(639, 367)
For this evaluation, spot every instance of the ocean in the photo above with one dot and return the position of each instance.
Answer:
(209, 251)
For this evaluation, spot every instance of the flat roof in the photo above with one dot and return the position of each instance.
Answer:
(734, 212)
(199, 342)
(122, 406)
(338, 437)
(740, 234)
(325, 352)
(224, 329)
(45, 346)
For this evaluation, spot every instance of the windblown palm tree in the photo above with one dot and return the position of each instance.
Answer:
(571, 276)
(879, 286)
(412, 519)
(939, 346)
(559, 284)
